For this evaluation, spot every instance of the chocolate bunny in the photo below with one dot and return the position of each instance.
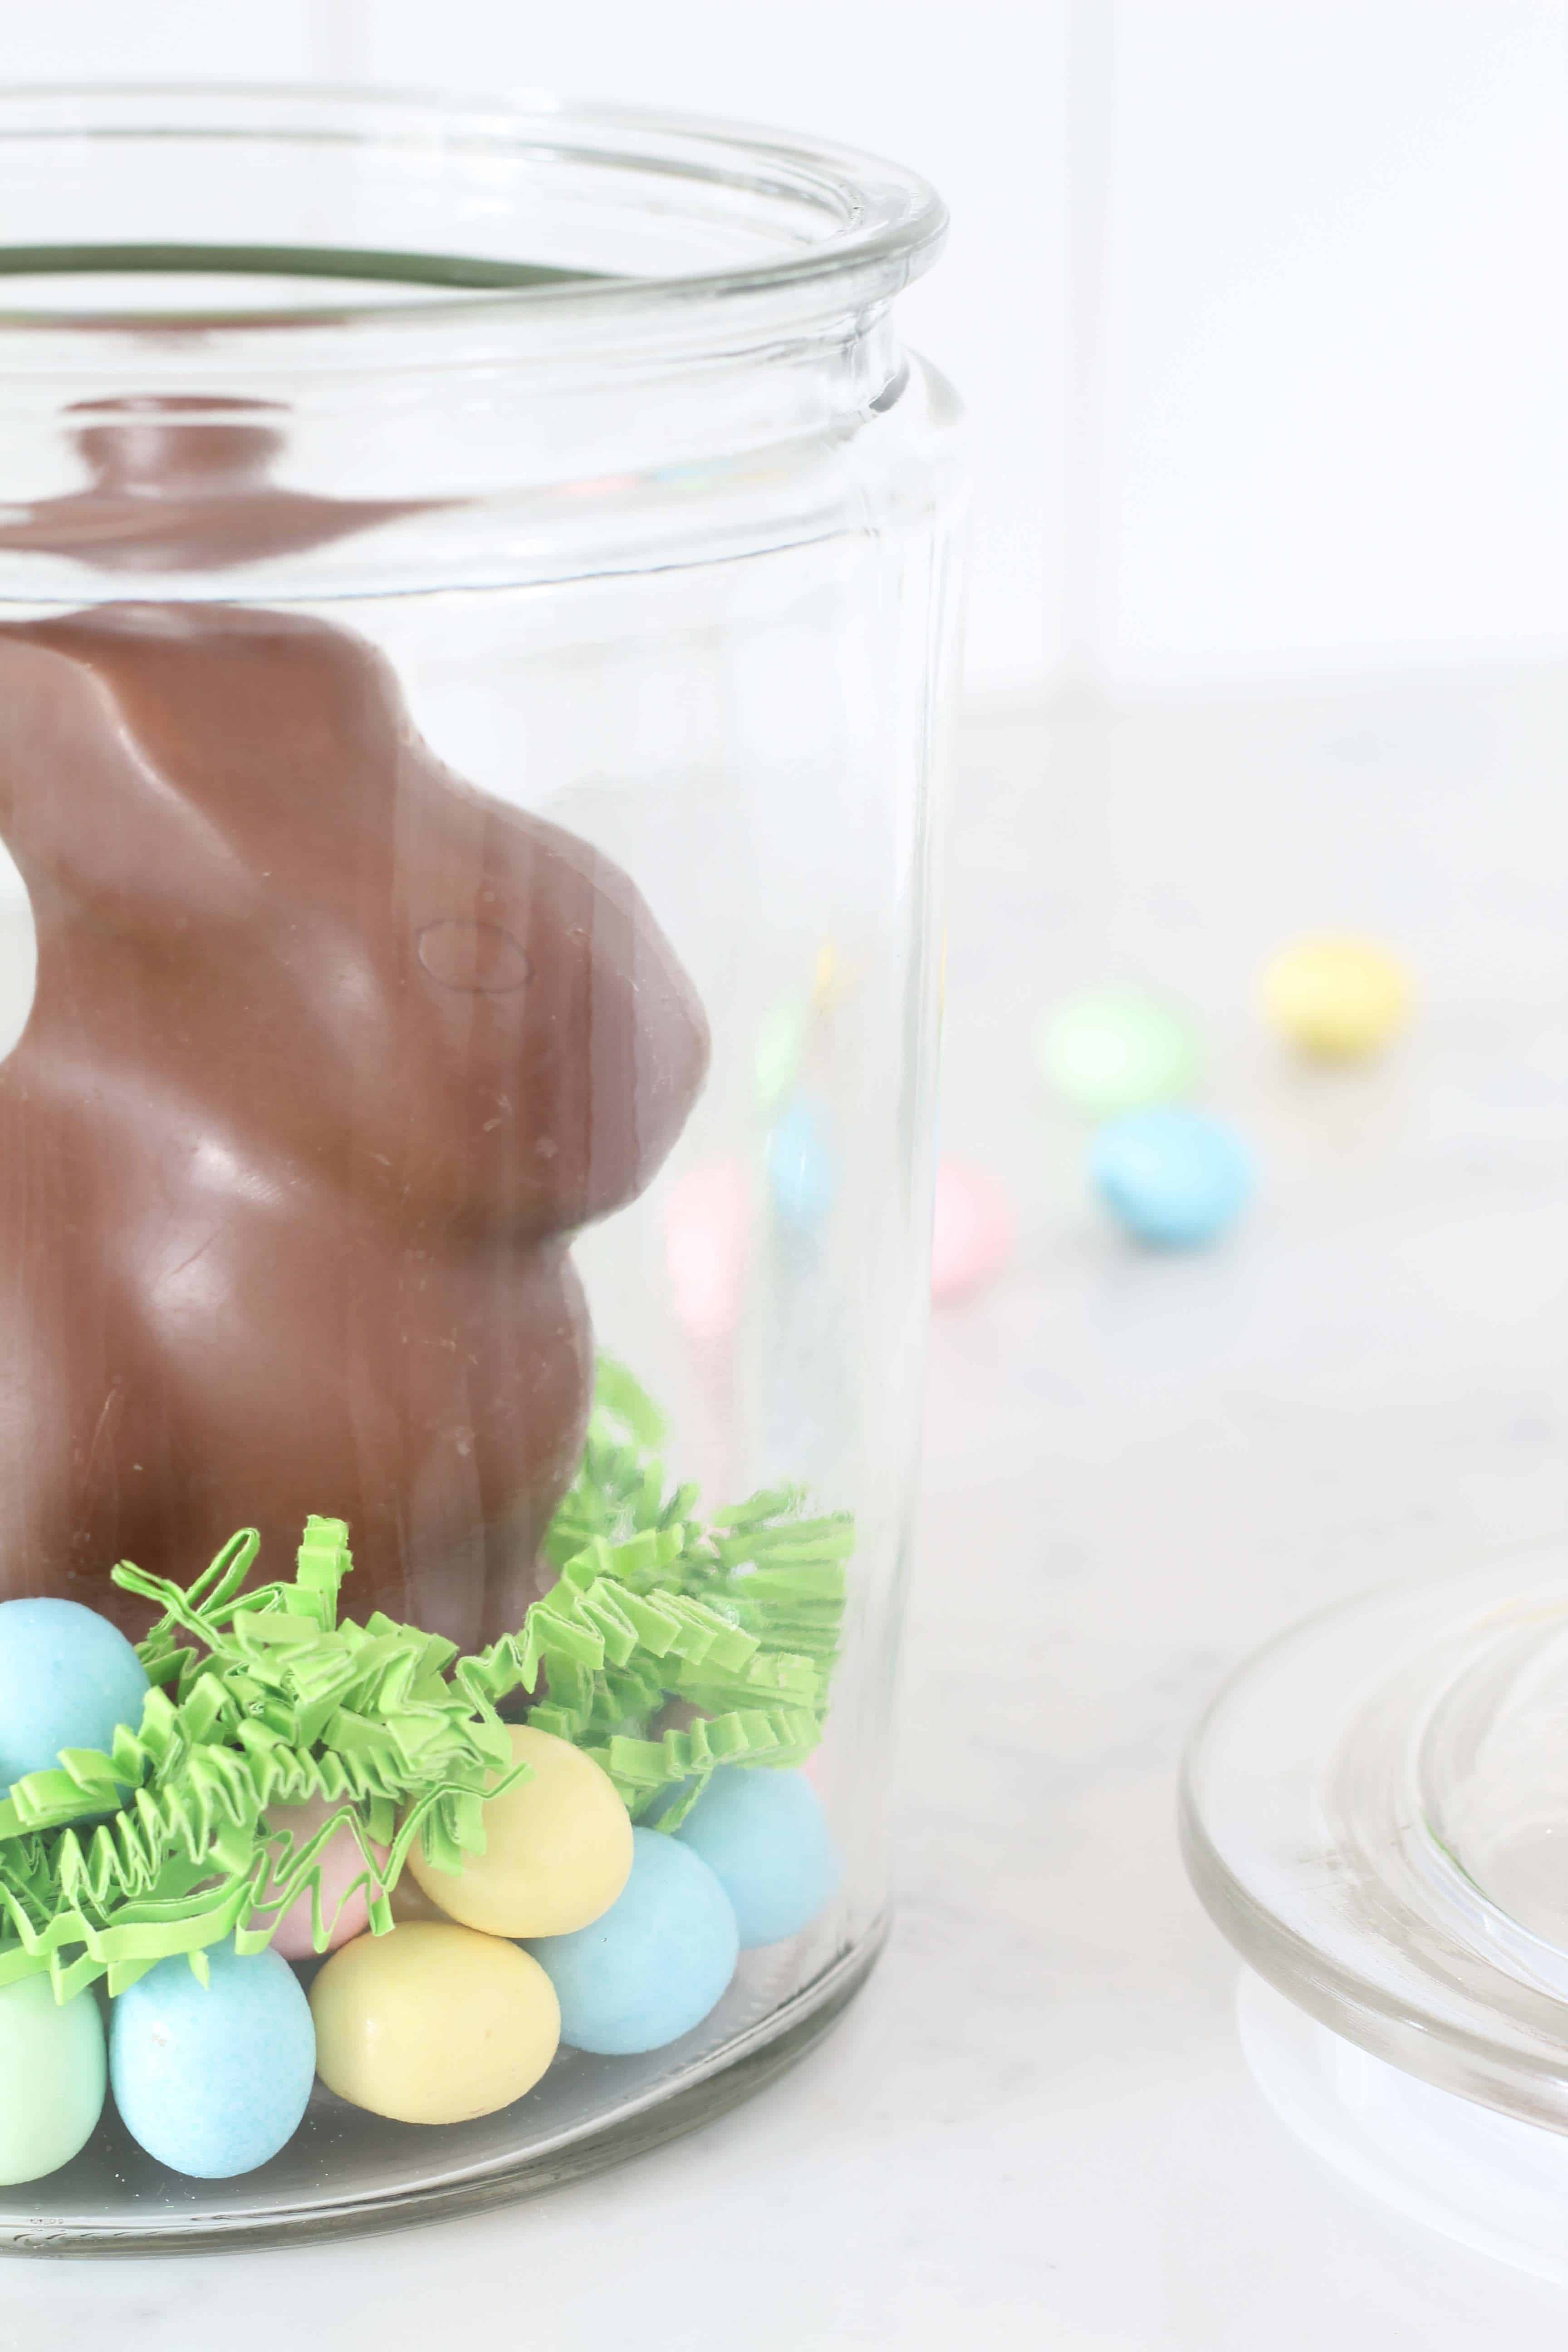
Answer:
(329, 1056)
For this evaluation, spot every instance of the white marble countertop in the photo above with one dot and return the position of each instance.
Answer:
(1035, 2129)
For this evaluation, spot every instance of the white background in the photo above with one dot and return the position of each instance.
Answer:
(1258, 306)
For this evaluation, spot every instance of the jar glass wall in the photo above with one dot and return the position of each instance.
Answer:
(475, 615)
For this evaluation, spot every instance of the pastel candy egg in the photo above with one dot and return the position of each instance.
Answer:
(657, 1962)
(343, 1913)
(433, 2023)
(707, 1222)
(557, 1848)
(802, 1179)
(68, 1679)
(1117, 1050)
(780, 1042)
(1173, 1178)
(765, 1836)
(213, 2079)
(1337, 998)
(53, 2072)
(972, 1231)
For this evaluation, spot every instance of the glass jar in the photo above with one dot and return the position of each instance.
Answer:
(478, 618)
(1375, 1811)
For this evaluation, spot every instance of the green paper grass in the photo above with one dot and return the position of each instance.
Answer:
(666, 1648)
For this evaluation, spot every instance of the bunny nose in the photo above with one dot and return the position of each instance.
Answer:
(480, 958)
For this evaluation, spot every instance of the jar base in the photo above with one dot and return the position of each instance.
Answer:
(348, 2173)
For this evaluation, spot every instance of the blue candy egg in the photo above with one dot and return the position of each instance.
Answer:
(802, 1179)
(67, 1678)
(1173, 1178)
(654, 1964)
(213, 2079)
(763, 1835)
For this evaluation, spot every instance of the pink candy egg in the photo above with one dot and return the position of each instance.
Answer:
(707, 1225)
(973, 1232)
(341, 1862)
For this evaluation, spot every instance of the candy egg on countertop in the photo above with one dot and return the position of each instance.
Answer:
(557, 1848)
(68, 1679)
(829, 978)
(53, 2075)
(972, 1231)
(213, 2079)
(1117, 1050)
(765, 1836)
(343, 1914)
(802, 1178)
(433, 2023)
(1173, 1178)
(707, 1224)
(779, 1046)
(1338, 998)
(656, 1963)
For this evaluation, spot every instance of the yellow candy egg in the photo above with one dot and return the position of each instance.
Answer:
(433, 2023)
(558, 1848)
(1337, 998)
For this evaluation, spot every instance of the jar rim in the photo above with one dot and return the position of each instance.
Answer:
(881, 224)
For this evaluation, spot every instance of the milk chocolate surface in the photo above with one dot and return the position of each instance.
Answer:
(331, 1053)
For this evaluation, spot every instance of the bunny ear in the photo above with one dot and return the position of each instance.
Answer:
(181, 484)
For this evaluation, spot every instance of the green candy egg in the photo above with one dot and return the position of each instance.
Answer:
(53, 2072)
(1117, 1051)
(779, 1046)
